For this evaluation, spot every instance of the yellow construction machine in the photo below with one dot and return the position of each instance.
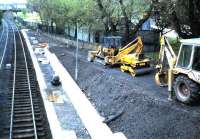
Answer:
(110, 47)
(131, 58)
(180, 73)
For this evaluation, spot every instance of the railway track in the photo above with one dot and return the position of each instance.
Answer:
(27, 115)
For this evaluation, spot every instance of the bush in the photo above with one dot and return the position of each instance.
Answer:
(175, 43)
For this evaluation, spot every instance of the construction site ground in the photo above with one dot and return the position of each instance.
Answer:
(135, 106)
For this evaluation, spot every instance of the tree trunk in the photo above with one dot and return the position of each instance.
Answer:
(68, 30)
(126, 19)
(75, 32)
(89, 33)
(52, 29)
(109, 25)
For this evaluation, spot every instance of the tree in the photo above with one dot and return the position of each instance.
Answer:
(187, 13)
(122, 14)
(61, 12)
(107, 9)
(125, 16)
(181, 15)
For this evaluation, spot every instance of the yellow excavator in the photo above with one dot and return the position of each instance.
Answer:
(131, 58)
(180, 73)
(110, 47)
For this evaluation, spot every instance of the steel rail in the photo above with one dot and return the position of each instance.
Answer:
(5, 47)
(13, 90)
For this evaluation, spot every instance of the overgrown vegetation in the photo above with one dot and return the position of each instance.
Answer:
(181, 15)
(125, 16)
(110, 15)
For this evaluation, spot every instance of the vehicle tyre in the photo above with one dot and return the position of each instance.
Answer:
(186, 90)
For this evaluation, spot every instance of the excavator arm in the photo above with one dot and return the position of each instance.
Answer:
(164, 75)
(166, 50)
(136, 45)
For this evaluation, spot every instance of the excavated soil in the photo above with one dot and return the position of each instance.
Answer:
(142, 108)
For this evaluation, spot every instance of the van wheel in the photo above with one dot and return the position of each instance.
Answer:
(186, 90)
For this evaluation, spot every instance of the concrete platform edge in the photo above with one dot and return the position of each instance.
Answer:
(88, 114)
(54, 124)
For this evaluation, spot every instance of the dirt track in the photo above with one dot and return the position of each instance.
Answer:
(146, 111)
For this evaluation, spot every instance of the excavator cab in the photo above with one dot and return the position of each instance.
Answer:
(189, 57)
(187, 72)
(188, 60)
(112, 42)
(109, 47)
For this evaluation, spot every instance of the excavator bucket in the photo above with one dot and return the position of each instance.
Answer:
(161, 79)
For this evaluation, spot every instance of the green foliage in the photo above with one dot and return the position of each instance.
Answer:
(22, 14)
(64, 10)
(181, 15)
(175, 43)
(86, 12)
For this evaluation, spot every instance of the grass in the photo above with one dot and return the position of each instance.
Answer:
(33, 17)
(174, 42)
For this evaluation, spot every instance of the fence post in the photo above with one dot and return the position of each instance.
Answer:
(76, 67)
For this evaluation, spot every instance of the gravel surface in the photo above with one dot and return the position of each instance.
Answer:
(146, 112)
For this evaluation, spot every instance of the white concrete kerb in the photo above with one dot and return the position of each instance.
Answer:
(88, 114)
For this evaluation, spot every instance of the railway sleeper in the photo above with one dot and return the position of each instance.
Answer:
(27, 111)
(28, 130)
(19, 89)
(36, 107)
(22, 115)
(25, 108)
(23, 94)
(25, 105)
(26, 101)
(27, 119)
(27, 136)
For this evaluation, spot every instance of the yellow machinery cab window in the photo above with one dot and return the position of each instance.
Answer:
(196, 59)
(185, 56)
